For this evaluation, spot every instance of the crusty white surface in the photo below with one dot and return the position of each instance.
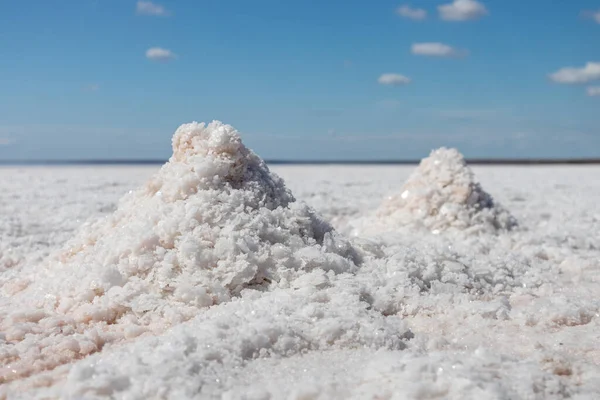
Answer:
(491, 314)
(442, 194)
(211, 223)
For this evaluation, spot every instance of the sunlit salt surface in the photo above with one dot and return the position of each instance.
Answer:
(440, 195)
(211, 281)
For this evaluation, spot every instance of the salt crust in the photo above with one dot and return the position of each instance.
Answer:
(212, 222)
(442, 195)
(344, 301)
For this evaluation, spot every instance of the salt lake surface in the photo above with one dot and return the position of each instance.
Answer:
(505, 314)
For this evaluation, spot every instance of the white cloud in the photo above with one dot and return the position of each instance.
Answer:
(462, 10)
(570, 75)
(436, 50)
(593, 91)
(393, 79)
(159, 54)
(595, 15)
(416, 14)
(150, 8)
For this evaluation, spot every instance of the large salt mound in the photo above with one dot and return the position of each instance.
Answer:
(212, 222)
(442, 194)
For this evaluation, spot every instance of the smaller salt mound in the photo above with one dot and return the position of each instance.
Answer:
(442, 194)
(212, 222)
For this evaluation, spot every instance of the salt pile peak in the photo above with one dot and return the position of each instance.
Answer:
(442, 194)
(212, 222)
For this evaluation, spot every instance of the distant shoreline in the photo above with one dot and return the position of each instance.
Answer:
(473, 161)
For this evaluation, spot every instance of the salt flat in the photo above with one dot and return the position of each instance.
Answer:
(507, 315)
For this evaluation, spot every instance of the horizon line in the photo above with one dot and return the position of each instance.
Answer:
(471, 161)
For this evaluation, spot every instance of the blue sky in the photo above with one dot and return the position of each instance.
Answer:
(83, 79)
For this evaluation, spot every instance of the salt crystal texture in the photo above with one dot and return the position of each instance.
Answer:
(442, 194)
(211, 223)
(501, 314)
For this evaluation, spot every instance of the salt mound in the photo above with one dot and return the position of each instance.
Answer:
(442, 194)
(212, 222)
